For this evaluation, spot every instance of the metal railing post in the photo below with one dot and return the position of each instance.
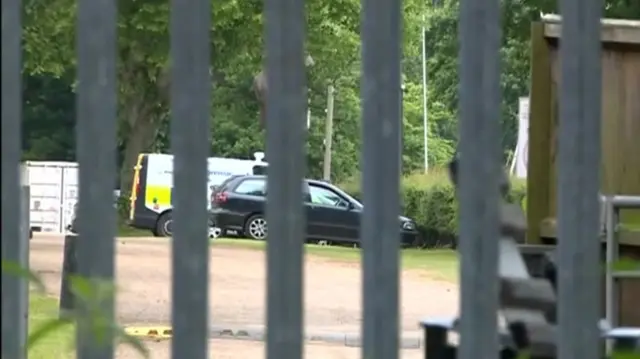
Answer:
(286, 134)
(14, 241)
(479, 177)
(190, 25)
(578, 169)
(96, 110)
(380, 160)
(612, 275)
(610, 255)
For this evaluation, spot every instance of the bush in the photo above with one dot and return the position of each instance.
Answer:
(123, 206)
(429, 199)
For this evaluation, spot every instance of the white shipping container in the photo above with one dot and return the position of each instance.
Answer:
(54, 192)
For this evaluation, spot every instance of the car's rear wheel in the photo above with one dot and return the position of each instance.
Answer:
(164, 226)
(256, 227)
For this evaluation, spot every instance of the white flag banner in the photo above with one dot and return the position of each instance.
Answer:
(522, 148)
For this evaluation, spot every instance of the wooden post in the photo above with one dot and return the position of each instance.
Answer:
(69, 269)
(539, 133)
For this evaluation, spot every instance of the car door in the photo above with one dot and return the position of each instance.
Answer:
(246, 198)
(329, 215)
(311, 229)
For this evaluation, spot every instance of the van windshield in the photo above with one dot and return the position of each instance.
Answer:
(259, 170)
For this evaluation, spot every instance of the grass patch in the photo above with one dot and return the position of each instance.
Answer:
(57, 344)
(439, 264)
(128, 231)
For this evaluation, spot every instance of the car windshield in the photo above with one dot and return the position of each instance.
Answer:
(356, 203)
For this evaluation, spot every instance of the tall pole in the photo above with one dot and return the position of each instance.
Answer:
(401, 132)
(308, 113)
(328, 135)
(424, 97)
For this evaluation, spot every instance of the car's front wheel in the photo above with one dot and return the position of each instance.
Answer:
(256, 227)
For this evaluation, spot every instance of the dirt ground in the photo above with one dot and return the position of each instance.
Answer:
(236, 349)
(237, 292)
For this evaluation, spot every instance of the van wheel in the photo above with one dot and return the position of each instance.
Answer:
(164, 226)
(256, 227)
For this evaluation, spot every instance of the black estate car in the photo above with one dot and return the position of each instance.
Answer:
(238, 204)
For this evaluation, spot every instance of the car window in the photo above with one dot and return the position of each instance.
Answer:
(251, 187)
(222, 186)
(326, 197)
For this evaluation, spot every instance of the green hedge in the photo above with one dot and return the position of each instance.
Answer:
(123, 206)
(429, 199)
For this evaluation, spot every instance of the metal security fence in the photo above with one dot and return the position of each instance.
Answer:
(480, 98)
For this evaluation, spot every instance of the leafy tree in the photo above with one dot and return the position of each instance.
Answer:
(49, 119)
(143, 49)
(333, 40)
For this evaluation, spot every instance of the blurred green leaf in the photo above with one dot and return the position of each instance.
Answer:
(81, 287)
(91, 294)
(46, 329)
(132, 341)
(15, 269)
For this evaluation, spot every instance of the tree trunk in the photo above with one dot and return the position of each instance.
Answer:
(260, 90)
(141, 110)
(139, 140)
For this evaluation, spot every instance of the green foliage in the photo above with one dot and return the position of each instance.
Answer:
(49, 119)
(625, 355)
(429, 199)
(90, 295)
(123, 206)
(332, 39)
(626, 264)
(16, 270)
(57, 344)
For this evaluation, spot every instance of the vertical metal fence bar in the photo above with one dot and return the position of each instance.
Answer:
(286, 133)
(479, 31)
(380, 160)
(25, 224)
(190, 117)
(14, 247)
(611, 289)
(579, 274)
(96, 155)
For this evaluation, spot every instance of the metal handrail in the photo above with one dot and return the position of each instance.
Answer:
(613, 205)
